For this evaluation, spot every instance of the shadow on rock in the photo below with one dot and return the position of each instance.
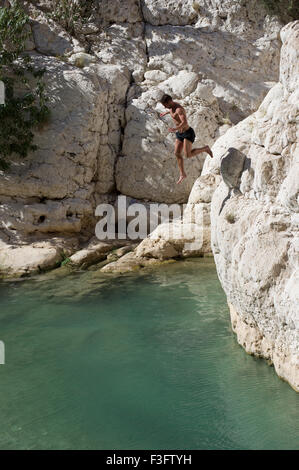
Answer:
(233, 164)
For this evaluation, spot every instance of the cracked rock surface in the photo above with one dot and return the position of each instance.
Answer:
(218, 58)
(255, 237)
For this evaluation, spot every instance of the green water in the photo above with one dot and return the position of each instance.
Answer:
(139, 361)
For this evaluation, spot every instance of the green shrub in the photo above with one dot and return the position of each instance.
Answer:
(69, 13)
(65, 262)
(26, 111)
(66, 13)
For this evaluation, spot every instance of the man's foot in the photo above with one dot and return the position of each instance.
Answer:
(209, 151)
(181, 178)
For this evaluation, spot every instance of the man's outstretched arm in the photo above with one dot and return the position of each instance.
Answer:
(164, 114)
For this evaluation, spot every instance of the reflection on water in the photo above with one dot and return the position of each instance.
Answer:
(138, 361)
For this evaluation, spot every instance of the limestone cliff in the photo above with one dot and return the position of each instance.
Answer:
(104, 80)
(218, 58)
(255, 237)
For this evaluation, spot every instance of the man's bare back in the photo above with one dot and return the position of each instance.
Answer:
(185, 135)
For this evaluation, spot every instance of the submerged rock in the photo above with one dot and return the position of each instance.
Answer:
(131, 262)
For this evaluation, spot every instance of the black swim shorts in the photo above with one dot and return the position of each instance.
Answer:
(188, 134)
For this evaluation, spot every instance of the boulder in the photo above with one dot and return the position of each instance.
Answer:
(30, 259)
(130, 262)
(81, 59)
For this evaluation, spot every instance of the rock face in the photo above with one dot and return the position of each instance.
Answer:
(147, 167)
(52, 190)
(104, 80)
(188, 49)
(255, 236)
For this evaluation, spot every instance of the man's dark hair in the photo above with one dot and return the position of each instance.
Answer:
(165, 99)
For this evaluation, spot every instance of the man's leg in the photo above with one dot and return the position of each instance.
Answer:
(178, 153)
(192, 153)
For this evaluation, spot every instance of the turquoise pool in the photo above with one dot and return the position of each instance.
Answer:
(137, 361)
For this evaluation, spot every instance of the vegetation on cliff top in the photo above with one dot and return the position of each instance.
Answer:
(25, 107)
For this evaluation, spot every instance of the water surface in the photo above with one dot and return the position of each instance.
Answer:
(138, 361)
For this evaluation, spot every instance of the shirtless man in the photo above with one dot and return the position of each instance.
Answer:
(185, 135)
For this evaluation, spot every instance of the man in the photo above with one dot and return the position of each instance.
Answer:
(185, 135)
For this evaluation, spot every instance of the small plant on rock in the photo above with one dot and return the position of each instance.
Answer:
(70, 13)
(66, 13)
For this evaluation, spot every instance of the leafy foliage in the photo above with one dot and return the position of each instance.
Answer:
(23, 111)
(70, 13)
(65, 262)
(66, 13)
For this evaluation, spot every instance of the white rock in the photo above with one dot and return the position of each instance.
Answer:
(159, 12)
(49, 37)
(155, 76)
(94, 252)
(255, 232)
(119, 11)
(122, 44)
(81, 59)
(182, 84)
(20, 261)
(68, 165)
